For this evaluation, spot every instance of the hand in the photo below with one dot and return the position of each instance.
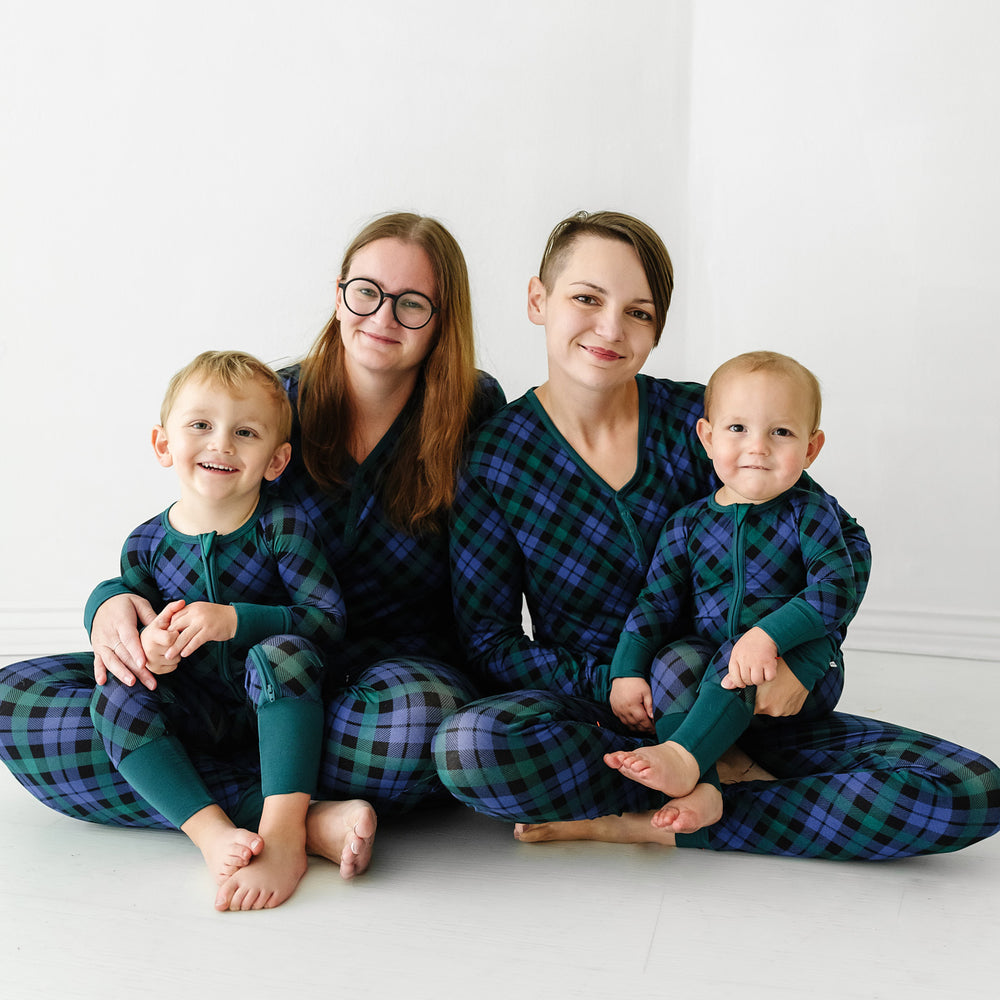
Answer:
(158, 639)
(632, 702)
(199, 623)
(785, 695)
(114, 638)
(754, 660)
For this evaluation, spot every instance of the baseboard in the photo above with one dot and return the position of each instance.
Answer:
(926, 633)
(28, 632)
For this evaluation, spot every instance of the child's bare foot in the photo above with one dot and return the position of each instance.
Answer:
(689, 813)
(629, 828)
(270, 878)
(343, 832)
(226, 848)
(667, 767)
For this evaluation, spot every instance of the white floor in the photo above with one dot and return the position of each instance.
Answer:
(454, 907)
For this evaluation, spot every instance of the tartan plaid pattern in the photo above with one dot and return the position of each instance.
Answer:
(397, 592)
(379, 732)
(376, 743)
(198, 707)
(273, 561)
(848, 787)
(724, 570)
(396, 585)
(531, 518)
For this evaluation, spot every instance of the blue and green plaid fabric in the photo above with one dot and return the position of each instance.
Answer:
(533, 522)
(387, 687)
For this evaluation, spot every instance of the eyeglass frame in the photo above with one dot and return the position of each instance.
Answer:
(342, 285)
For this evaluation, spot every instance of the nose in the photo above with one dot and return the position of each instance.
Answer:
(759, 443)
(222, 441)
(385, 313)
(609, 325)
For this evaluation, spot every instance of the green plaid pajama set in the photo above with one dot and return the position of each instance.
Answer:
(389, 682)
(533, 522)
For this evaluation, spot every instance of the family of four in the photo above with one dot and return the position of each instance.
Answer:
(327, 625)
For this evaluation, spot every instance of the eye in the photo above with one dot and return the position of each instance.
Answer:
(782, 432)
(736, 428)
(246, 432)
(641, 315)
(200, 425)
(365, 291)
(587, 300)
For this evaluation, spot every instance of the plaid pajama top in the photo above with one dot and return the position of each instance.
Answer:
(782, 566)
(272, 570)
(532, 518)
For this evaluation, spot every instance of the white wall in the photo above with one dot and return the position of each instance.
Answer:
(175, 176)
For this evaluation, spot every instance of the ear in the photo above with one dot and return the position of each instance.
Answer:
(339, 301)
(536, 301)
(814, 447)
(279, 460)
(161, 447)
(704, 429)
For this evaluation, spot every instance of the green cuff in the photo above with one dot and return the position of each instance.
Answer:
(290, 732)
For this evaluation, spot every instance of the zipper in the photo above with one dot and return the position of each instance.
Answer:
(739, 568)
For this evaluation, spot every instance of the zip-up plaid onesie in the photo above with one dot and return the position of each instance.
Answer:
(718, 571)
(264, 684)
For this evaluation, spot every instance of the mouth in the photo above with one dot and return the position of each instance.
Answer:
(215, 467)
(378, 338)
(602, 354)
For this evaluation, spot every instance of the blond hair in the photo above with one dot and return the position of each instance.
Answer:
(232, 370)
(644, 241)
(768, 361)
(418, 484)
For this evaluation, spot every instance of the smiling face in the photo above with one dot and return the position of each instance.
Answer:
(759, 435)
(598, 315)
(377, 344)
(223, 444)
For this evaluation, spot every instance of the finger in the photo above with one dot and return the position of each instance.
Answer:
(100, 671)
(163, 619)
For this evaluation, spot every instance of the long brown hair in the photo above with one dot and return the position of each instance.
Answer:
(418, 484)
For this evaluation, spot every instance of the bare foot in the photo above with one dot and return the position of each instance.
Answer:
(343, 832)
(702, 807)
(667, 767)
(226, 848)
(270, 878)
(734, 766)
(629, 828)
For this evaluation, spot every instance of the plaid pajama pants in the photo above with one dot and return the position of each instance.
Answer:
(376, 742)
(847, 787)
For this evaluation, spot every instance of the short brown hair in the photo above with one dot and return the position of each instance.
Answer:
(648, 246)
(232, 370)
(768, 361)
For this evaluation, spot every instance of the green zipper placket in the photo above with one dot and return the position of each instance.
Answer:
(739, 568)
(211, 576)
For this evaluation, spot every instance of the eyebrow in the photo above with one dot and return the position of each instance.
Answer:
(604, 291)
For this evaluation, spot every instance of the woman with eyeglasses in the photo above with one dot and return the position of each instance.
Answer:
(384, 401)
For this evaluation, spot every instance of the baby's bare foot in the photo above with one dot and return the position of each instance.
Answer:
(225, 848)
(689, 813)
(269, 879)
(667, 767)
(343, 832)
(735, 766)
